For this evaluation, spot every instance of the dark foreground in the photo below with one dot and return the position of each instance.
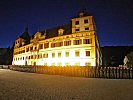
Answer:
(30, 86)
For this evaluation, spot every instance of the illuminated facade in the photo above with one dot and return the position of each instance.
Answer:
(74, 44)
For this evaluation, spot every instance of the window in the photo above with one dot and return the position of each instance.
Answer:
(52, 64)
(59, 55)
(59, 44)
(53, 55)
(77, 23)
(87, 41)
(40, 46)
(52, 45)
(67, 64)
(35, 48)
(87, 64)
(77, 53)
(23, 58)
(87, 53)
(67, 43)
(67, 54)
(86, 21)
(31, 48)
(36, 56)
(59, 64)
(45, 64)
(87, 28)
(46, 45)
(77, 30)
(40, 55)
(77, 42)
(23, 51)
(77, 64)
(31, 56)
(27, 49)
(45, 55)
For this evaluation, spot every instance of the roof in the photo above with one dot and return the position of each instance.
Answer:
(53, 32)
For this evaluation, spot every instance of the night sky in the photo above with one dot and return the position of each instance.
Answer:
(114, 18)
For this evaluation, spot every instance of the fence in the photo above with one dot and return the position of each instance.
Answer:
(88, 71)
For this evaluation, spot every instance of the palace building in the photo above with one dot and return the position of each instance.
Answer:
(74, 44)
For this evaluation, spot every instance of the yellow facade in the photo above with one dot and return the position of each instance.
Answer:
(78, 48)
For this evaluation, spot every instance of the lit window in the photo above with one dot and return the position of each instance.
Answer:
(87, 41)
(77, 64)
(46, 45)
(86, 21)
(67, 43)
(58, 44)
(45, 55)
(35, 56)
(87, 64)
(59, 55)
(45, 64)
(52, 64)
(87, 53)
(59, 64)
(40, 56)
(67, 64)
(52, 45)
(53, 55)
(77, 23)
(31, 56)
(67, 54)
(77, 42)
(40, 46)
(77, 53)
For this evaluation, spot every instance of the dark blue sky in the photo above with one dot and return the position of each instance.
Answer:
(114, 18)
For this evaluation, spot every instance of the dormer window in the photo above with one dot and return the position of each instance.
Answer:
(60, 32)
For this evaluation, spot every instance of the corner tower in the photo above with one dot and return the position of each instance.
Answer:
(84, 25)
